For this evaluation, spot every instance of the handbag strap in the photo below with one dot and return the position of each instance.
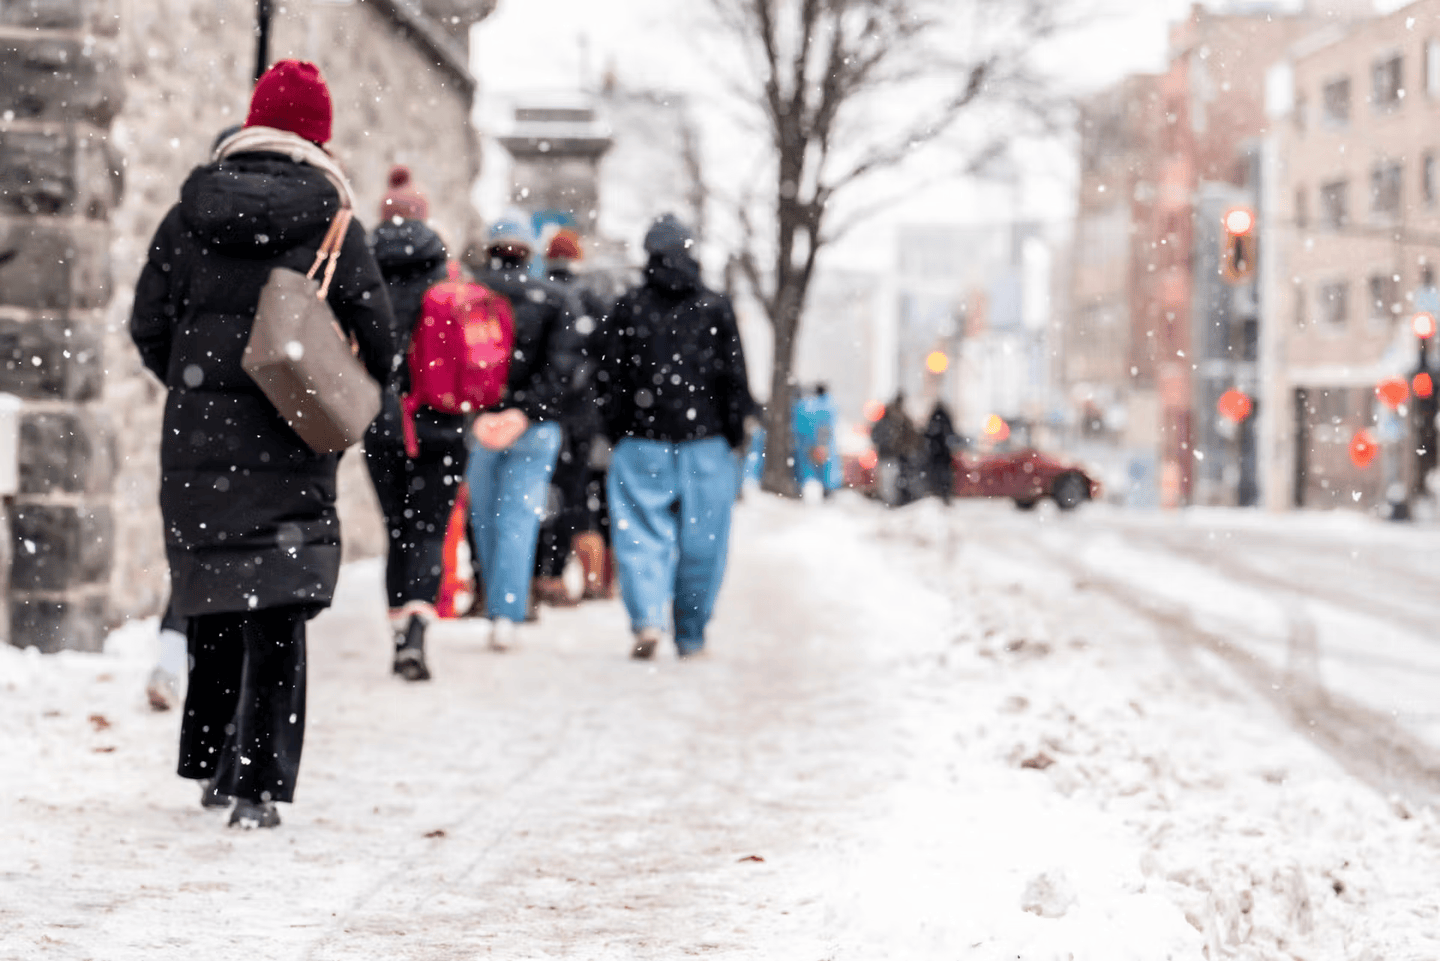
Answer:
(329, 251)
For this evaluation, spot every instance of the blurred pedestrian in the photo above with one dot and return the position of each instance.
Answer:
(674, 395)
(898, 448)
(817, 461)
(416, 494)
(941, 443)
(251, 533)
(515, 446)
(575, 520)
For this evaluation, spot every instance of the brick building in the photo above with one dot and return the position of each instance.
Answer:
(1356, 238)
(105, 105)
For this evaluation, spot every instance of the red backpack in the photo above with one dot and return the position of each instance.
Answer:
(459, 351)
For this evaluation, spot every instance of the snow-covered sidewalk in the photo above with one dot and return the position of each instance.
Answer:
(907, 744)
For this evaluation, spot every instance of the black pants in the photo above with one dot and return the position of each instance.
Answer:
(568, 511)
(416, 497)
(244, 721)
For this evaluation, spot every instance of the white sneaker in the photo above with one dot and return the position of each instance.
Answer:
(502, 634)
(162, 690)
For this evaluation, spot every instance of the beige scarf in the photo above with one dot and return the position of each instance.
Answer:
(297, 148)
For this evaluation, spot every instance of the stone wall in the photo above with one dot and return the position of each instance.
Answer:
(96, 95)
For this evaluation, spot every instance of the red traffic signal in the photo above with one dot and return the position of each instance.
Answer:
(1392, 391)
(1238, 246)
(1239, 221)
(1422, 385)
(1423, 324)
(1363, 449)
(1235, 405)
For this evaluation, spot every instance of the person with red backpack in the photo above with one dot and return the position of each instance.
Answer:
(416, 487)
(516, 444)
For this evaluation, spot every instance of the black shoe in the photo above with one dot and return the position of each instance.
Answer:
(249, 815)
(410, 652)
(211, 798)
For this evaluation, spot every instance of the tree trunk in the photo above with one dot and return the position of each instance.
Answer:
(779, 475)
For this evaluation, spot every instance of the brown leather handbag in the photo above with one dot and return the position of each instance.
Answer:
(302, 360)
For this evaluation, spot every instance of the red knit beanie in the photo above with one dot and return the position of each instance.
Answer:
(565, 245)
(404, 200)
(292, 96)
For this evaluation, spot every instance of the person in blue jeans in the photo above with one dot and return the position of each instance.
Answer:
(515, 446)
(670, 374)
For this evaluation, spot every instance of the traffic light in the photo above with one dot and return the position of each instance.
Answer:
(1238, 246)
(1424, 408)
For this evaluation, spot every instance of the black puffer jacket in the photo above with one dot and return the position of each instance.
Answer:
(548, 350)
(249, 509)
(412, 260)
(669, 363)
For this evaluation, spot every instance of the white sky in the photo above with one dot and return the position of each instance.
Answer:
(528, 46)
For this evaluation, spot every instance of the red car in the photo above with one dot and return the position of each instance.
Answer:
(1024, 475)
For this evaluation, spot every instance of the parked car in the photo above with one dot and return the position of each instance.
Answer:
(1024, 475)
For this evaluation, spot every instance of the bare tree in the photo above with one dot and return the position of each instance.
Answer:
(845, 90)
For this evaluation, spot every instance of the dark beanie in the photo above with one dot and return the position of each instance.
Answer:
(292, 96)
(668, 236)
(403, 200)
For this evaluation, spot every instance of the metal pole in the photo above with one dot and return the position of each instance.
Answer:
(262, 37)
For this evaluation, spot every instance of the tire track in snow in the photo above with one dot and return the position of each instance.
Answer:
(1367, 743)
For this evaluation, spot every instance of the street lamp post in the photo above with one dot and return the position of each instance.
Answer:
(1423, 408)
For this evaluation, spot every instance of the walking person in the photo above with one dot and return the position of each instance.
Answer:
(416, 494)
(940, 446)
(674, 395)
(515, 446)
(573, 522)
(251, 532)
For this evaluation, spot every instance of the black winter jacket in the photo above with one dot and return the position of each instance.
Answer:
(412, 260)
(669, 363)
(547, 352)
(249, 508)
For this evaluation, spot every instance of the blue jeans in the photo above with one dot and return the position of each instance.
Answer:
(508, 493)
(670, 525)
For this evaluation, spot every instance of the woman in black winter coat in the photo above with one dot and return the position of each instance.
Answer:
(416, 494)
(251, 532)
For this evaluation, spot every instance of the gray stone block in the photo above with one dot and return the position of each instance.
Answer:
(50, 358)
(63, 451)
(76, 624)
(50, 266)
(57, 547)
(43, 14)
(61, 174)
(52, 78)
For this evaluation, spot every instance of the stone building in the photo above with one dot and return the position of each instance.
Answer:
(1356, 237)
(1108, 351)
(105, 105)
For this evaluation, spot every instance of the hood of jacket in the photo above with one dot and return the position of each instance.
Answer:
(673, 274)
(257, 205)
(406, 249)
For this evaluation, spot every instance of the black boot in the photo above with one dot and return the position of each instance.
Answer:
(410, 651)
(249, 815)
(211, 798)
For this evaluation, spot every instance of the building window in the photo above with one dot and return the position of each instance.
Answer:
(1387, 84)
(1335, 304)
(1300, 305)
(1385, 190)
(1384, 298)
(1337, 102)
(1432, 67)
(1427, 179)
(1335, 204)
(1301, 106)
(1302, 208)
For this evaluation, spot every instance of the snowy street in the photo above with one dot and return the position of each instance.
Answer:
(963, 733)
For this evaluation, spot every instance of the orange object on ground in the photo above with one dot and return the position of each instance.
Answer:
(452, 582)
